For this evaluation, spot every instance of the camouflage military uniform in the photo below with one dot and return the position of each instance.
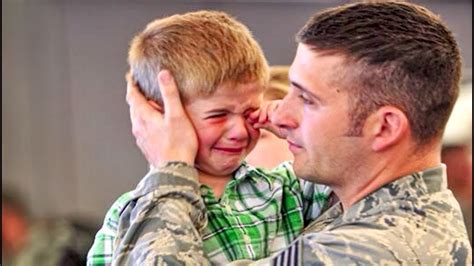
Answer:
(259, 213)
(414, 220)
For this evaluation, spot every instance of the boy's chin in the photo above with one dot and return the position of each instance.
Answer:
(221, 170)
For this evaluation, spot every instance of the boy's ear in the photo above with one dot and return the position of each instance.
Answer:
(388, 126)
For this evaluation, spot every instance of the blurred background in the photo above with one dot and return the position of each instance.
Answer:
(67, 147)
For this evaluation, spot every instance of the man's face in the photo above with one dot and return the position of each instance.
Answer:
(225, 137)
(315, 117)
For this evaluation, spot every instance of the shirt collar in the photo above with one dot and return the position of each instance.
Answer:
(256, 174)
(248, 172)
(244, 173)
(241, 172)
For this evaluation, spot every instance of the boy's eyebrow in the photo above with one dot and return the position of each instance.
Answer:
(224, 110)
(300, 87)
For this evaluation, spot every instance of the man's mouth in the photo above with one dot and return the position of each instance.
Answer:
(293, 146)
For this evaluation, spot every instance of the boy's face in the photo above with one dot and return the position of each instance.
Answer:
(225, 137)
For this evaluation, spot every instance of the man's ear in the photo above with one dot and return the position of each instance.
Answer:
(389, 125)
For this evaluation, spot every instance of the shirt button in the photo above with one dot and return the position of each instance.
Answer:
(247, 239)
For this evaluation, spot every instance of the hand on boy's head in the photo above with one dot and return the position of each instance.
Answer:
(155, 105)
(158, 134)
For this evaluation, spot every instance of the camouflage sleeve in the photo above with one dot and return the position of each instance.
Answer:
(347, 247)
(161, 225)
(101, 251)
(370, 246)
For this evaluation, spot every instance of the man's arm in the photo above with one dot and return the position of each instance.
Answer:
(162, 224)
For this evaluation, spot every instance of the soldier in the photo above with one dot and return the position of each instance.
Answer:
(372, 87)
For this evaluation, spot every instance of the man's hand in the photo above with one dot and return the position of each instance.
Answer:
(162, 134)
(262, 118)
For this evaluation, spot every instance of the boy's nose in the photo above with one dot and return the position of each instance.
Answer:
(238, 130)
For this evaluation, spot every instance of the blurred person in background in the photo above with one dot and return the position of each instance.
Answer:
(14, 226)
(30, 241)
(457, 153)
(270, 150)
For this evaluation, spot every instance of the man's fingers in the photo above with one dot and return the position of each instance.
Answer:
(134, 96)
(130, 82)
(169, 91)
(128, 76)
(253, 116)
(157, 107)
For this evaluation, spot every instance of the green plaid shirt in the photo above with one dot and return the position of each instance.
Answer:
(259, 214)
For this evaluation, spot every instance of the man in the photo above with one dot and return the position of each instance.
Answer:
(372, 87)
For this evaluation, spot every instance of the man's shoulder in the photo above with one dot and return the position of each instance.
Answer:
(412, 230)
(426, 239)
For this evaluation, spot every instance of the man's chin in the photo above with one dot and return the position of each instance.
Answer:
(303, 176)
(304, 173)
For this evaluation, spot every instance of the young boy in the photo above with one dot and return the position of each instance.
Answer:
(221, 74)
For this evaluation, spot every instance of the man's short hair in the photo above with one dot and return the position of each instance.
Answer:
(201, 49)
(397, 54)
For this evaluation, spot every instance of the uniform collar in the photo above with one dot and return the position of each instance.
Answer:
(407, 187)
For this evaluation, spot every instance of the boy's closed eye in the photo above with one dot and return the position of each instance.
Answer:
(216, 115)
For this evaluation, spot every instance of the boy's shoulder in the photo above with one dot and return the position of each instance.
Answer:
(114, 211)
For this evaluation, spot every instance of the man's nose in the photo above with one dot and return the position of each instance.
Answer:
(286, 115)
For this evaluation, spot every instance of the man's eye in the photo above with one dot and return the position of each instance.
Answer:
(305, 99)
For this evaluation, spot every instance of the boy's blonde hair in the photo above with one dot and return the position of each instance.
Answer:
(202, 49)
